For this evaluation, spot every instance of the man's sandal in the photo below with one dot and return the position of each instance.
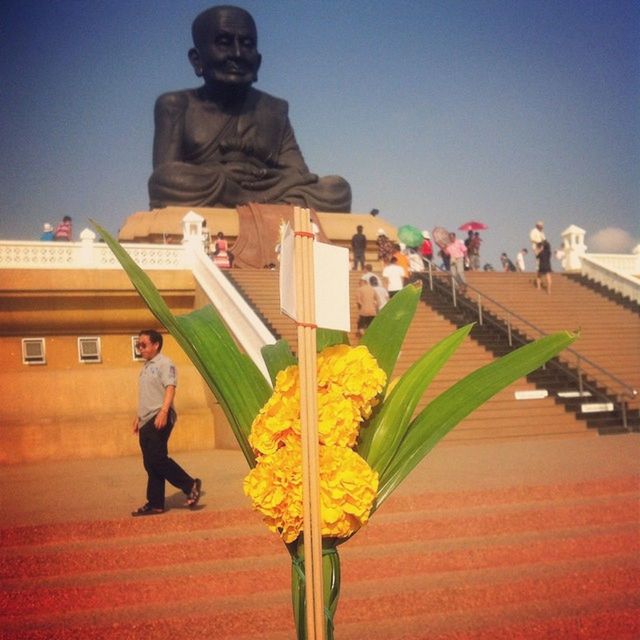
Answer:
(194, 495)
(147, 510)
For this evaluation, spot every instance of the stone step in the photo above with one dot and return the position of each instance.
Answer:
(362, 563)
(381, 593)
(464, 563)
(427, 328)
(193, 543)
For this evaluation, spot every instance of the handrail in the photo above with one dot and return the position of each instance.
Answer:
(627, 389)
(242, 320)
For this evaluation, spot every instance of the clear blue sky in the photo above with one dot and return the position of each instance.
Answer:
(436, 112)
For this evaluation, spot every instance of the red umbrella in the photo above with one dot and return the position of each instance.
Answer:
(473, 225)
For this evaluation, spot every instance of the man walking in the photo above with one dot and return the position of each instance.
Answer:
(367, 305)
(154, 423)
(393, 273)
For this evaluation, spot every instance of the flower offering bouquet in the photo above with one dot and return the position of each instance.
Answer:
(369, 435)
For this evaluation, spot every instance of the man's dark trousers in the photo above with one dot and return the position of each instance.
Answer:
(157, 463)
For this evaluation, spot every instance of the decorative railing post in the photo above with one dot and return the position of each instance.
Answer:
(192, 236)
(192, 229)
(623, 407)
(87, 243)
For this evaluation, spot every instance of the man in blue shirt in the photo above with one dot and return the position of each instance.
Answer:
(47, 232)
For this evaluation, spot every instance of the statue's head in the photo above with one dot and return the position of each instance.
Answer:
(225, 50)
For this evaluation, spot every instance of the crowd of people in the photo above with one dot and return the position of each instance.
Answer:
(456, 256)
(62, 233)
(399, 261)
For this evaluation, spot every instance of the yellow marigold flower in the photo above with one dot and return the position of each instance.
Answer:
(275, 489)
(288, 380)
(349, 381)
(276, 423)
(348, 488)
(338, 419)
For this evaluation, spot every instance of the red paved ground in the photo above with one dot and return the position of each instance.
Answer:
(523, 539)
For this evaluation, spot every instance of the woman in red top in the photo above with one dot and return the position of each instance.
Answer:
(427, 248)
(221, 254)
(63, 230)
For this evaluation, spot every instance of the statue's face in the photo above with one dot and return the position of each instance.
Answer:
(229, 53)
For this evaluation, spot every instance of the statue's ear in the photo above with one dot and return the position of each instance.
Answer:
(258, 63)
(196, 62)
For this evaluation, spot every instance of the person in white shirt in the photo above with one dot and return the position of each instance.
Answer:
(382, 295)
(415, 261)
(393, 273)
(520, 265)
(368, 273)
(536, 235)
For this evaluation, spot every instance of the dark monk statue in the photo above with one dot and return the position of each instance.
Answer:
(227, 143)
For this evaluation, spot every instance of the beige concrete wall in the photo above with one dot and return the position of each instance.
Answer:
(64, 301)
(68, 409)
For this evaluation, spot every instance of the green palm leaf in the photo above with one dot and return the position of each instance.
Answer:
(277, 356)
(386, 333)
(450, 407)
(330, 337)
(380, 440)
(233, 378)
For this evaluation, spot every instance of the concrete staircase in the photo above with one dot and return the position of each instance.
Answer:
(609, 333)
(502, 417)
(559, 379)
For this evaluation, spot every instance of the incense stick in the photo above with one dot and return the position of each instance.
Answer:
(305, 311)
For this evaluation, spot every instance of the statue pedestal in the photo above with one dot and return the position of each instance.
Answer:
(251, 230)
(164, 226)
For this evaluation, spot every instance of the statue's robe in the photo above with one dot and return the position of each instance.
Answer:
(195, 145)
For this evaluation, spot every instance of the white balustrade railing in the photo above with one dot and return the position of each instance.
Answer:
(242, 320)
(626, 263)
(619, 272)
(87, 254)
(246, 326)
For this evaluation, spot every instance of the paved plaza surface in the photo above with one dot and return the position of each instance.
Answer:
(98, 489)
(525, 539)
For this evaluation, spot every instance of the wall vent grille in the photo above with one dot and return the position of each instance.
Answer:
(89, 349)
(33, 351)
